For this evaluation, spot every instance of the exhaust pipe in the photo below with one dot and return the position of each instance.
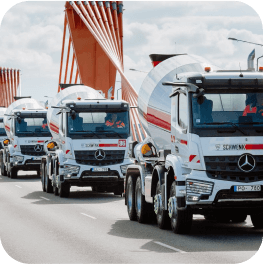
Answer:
(250, 61)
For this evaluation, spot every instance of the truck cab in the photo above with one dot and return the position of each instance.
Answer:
(90, 139)
(27, 131)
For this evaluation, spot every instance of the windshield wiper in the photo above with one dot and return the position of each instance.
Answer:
(85, 135)
(252, 123)
(112, 132)
(230, 123)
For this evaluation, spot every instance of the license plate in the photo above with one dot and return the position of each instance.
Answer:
(247, 188)
(99, 169)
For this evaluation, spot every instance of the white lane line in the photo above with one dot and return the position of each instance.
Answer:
(167, 246)
(18, 186)
(44, 198)
(89, 216)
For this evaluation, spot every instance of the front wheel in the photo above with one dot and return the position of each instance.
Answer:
(141, 207)
(130, 192)
(13, 173)
(48, 185)
(161, 214)
(181, 220)
(43, 175)
(63, 190)
(257, 220)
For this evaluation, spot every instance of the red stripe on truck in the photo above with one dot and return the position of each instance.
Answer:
(108, 145)
(253, 146)
(158, 118)
(54, 128)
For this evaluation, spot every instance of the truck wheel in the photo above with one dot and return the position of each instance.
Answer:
(63, 190)
(161, 214)
(13, 173)
(55, 189)
(130, 192)
(239, 218)
(181, 220)
(48, 185)
(141, 206)
(43, 173)
(257, 220)
(3, 170)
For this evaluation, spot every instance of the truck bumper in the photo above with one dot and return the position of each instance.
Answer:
(204, 192)
(28, 163)
(91, 176)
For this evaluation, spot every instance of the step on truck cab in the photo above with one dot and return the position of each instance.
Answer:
(25, 122)
(90, 142)
(204, 150)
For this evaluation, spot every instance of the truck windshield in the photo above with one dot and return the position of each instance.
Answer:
(2, 128)
(108, 124)
(229, 112)
(32, 126)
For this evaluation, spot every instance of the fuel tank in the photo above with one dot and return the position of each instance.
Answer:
(71, 93)
(154, 104)
(21, 104)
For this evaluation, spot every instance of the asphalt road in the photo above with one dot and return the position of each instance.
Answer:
(89, 227)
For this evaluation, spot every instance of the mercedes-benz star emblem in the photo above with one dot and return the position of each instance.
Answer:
(100, 154)
(38, 148)
(246, 163)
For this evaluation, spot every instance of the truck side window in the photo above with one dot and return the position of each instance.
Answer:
(182, 111)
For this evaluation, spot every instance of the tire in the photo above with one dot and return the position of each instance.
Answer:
(43, 177)
(3, 170)
(222, 218)
(63, 190)
(162, 217)
(239, 218)
(38, 173)
(141, 207)
(55, 189)
(48, 185)
(130, 192)
(13, 173)
(181, 220)
(257, 220)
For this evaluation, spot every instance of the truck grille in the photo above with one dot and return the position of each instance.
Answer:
(88, 157)
(30, 150)
(226, 168)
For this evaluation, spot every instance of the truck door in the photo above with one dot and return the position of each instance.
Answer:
(181, 133)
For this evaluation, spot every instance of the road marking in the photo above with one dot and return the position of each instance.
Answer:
(89, 216)
(44, 198)
(18, 186)
(167, 246)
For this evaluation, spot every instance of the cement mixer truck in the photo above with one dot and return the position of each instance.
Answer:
(90, 142)
(25, 123)
(204, 150)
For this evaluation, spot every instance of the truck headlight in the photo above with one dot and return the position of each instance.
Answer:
(194, 187)
(18, 158)
(71, 169)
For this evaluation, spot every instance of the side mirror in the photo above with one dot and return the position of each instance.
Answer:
(184, 131)
(73, 114)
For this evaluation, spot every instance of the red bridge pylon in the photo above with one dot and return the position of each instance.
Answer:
(92, 51)
(9, 85)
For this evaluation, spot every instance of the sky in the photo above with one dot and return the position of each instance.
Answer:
(31, 37)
